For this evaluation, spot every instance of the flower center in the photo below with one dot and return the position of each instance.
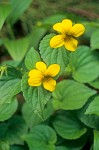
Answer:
(46, 78)
(67, 37)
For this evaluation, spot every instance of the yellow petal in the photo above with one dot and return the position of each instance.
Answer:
(58, 27)
(67, 25)
(35, 77)
(57, 41)
(77, 30)
(34, 82)
(34, 72)
(52, 70)
(71, 44)
(41, 66)
(49, 84)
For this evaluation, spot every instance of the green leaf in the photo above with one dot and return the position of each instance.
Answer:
(16, 129)
(7, 110)
(89, 120)
(13, 130)
(41, 137)
(36, 96)
(53, 55)
(31, 58)
(77, 144)
(93, 107)
(70, 95)
(10, 85)
(59, 17)
(11, 63)
(96, 140)
(68, 126)
(17, 48)
(54, 19)
(84, 64)
(90, 27)
(18, 9)
(95, 40)
(95, 83)
(36, 35)
(4, 145)
(4, 12)
(31, 118)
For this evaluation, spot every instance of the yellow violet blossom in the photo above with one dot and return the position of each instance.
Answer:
(44, 75)
(68, 35)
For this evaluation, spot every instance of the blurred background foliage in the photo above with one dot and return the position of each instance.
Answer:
(28, 21)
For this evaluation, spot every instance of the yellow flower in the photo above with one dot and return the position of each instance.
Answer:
(43, 75)
(68, 35)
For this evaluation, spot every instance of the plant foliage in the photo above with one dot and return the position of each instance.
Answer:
(31, 116)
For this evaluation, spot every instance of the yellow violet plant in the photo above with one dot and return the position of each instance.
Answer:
(49, 93)
(58, 92)
(50, 64)
(67, 35)
(44, 75)
(46, 66)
